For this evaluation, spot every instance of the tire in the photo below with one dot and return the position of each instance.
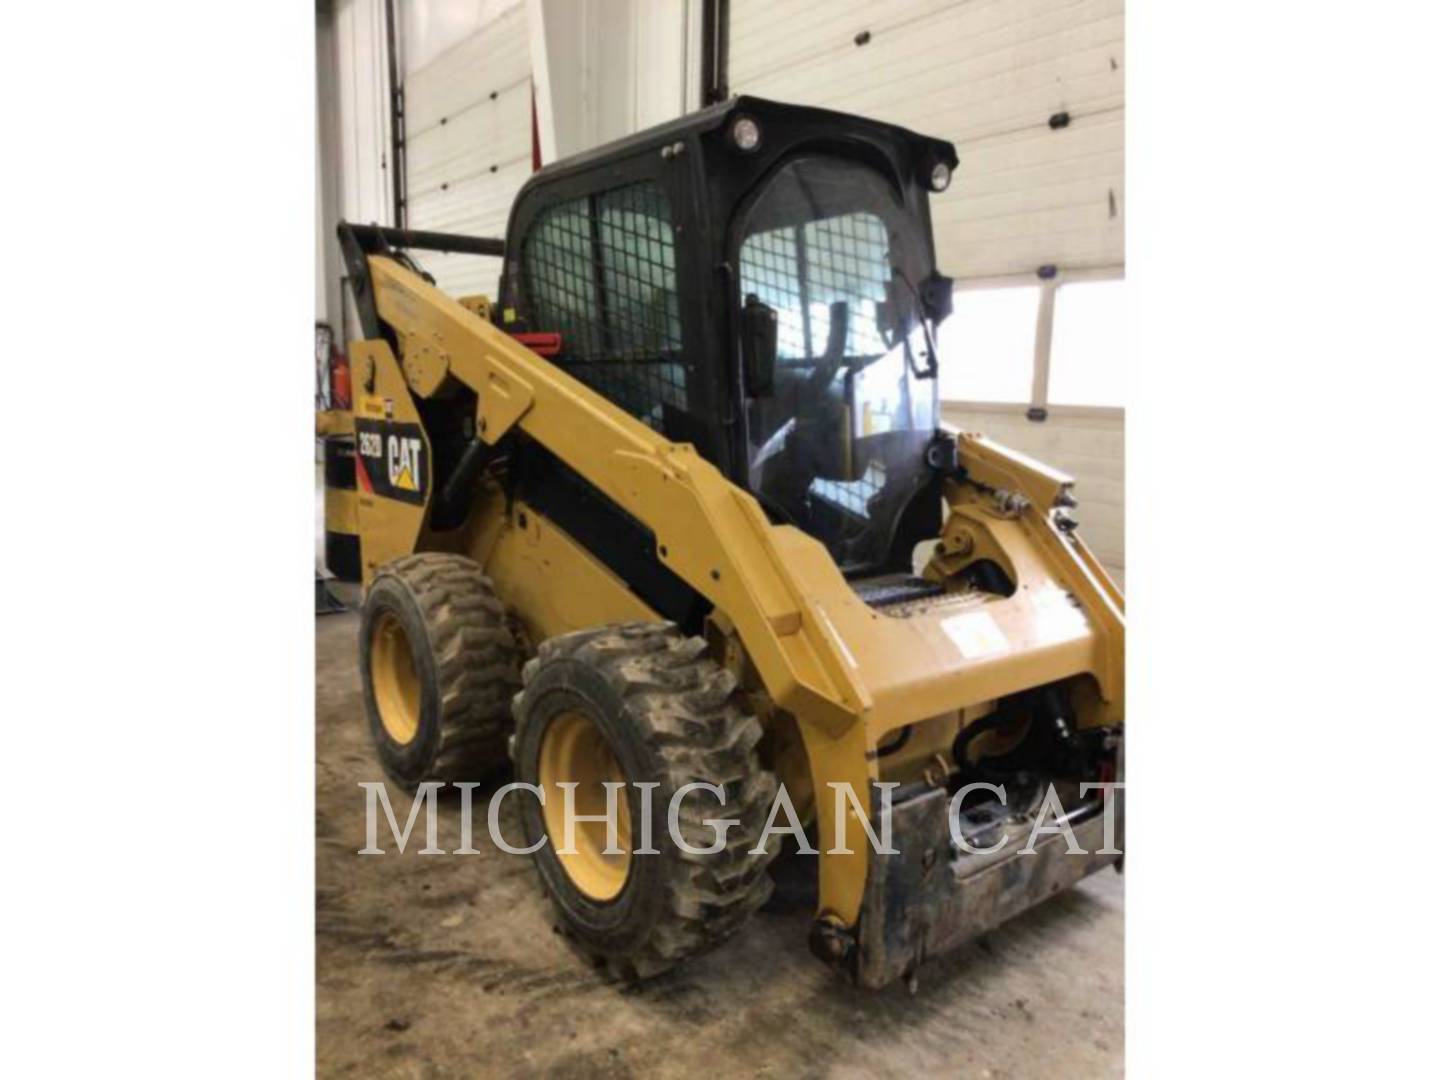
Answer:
(439, 666)
(670, 716)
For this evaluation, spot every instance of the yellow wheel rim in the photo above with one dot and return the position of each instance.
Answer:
(393, 678)
(574, 751)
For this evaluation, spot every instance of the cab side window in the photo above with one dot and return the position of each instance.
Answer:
(600, 271)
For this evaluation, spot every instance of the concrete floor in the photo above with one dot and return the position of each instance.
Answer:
(431, 966)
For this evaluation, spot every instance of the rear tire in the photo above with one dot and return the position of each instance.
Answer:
(439, 666)
(666, 714)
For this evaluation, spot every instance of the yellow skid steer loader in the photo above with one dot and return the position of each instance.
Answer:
(678, 509)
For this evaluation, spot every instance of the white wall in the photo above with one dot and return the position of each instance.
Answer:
(329, 300)
(323, 304)
(352, 140)
(362, 102)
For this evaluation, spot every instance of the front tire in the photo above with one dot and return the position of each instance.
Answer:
(439, 666)
(639, 702)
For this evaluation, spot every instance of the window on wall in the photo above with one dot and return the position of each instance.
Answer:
(1087, 346)
(600, 271)
(987, 345)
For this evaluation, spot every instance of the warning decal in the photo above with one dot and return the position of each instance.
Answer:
(390, 460)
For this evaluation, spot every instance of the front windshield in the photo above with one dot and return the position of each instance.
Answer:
(838, 446)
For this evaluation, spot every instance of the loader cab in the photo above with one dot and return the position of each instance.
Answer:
(759, 280)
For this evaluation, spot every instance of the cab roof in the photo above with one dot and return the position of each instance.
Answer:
(823, 122)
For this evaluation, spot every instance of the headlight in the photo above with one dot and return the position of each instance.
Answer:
(940, 176)
(745, 133)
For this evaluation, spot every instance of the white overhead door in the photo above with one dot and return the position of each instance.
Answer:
(1031, 92)
(468, 145)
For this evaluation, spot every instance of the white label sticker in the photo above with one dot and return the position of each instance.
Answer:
(1057, 616)
(976, 634)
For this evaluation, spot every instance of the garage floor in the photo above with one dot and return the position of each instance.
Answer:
(432, 966)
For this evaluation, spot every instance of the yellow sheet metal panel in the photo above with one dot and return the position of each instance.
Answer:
(392, 454)
(341, 511)
(555, 585)
(335, 422)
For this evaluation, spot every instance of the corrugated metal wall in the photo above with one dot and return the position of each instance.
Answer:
(989, 75)
(468, 145)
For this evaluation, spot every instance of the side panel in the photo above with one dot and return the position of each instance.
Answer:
(554, 584)
(392, 458)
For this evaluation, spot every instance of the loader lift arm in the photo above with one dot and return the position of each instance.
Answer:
(359, 242)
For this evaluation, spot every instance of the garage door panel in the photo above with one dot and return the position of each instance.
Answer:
(492, 134)
(1066, 188)
(468, 146)
(463, 275)
(987, 75)
(993, 92)
(486, 197)
(995, 105)
(489, 61)
(969, 40)
(1008, 247)
(1093, 146)
(1055, 207)
(791, 32)
(1013, 195)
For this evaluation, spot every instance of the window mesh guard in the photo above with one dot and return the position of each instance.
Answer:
(799, 271)
(600, 271)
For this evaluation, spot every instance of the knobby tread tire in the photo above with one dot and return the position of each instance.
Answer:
(476, 664)
(685, 713)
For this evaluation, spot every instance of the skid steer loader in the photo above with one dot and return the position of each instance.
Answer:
(678, 507)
